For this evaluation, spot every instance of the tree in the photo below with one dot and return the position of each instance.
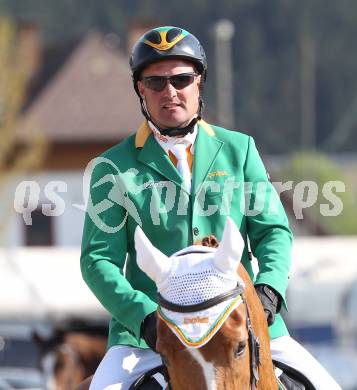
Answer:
(18, 155)
(316, 172)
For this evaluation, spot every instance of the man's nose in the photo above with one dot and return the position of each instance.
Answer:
(169, 89)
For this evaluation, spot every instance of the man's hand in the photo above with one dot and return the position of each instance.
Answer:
(148, 330)
(270, 300)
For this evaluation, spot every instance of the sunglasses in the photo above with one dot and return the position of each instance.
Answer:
(178, 81)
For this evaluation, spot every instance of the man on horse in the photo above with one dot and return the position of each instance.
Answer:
(179, 177)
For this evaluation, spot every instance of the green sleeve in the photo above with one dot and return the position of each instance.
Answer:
(268, 229)
(104, 250)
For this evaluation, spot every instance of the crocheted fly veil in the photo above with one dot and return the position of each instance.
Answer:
(192, 276)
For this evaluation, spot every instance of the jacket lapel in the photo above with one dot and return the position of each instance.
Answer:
(157, 159)
(207, 148)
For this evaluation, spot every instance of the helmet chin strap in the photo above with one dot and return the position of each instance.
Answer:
(173, 131)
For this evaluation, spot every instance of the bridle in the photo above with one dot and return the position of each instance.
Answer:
(253, 341)
(254, 350)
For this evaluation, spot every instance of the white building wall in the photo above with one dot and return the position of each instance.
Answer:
(63, 188)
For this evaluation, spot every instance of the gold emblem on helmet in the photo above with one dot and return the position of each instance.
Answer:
(164, 45)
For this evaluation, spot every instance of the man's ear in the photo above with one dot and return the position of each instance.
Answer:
(198, 83)
(141, 88)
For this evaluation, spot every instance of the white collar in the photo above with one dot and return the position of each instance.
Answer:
(168, 142)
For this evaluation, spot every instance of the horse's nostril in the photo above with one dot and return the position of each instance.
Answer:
(239, 352)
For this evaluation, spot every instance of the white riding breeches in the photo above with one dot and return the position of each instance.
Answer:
(122, 365)
(288, 351)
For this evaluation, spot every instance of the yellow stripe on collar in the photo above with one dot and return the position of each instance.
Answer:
(144, 131)
(207, 127)
(142, 134)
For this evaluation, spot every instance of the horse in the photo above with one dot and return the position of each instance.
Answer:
(212, 332)
(71, 354)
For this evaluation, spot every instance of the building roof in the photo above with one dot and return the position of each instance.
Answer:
(90, 98)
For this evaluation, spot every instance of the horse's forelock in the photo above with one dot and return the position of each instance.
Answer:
(209, 241)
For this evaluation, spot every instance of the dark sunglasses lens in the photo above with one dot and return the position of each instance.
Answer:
(181, 81)
(156, 83)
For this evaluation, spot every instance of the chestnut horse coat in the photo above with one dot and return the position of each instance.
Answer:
(135, 182)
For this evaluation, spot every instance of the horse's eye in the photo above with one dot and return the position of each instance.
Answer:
(239, 352)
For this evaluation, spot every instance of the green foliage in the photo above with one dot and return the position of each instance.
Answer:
(318, 168)
(18, 154)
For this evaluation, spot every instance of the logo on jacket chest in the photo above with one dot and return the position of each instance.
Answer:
(154, 184)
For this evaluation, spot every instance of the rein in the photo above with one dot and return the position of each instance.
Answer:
(254, 344)
(254, 349)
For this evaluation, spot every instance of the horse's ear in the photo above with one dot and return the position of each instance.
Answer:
(230, 249)
(152, 261)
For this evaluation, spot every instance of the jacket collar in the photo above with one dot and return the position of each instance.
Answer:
(207, 148)
(142, 134)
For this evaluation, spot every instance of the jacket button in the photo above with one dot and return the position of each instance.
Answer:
(196, 231)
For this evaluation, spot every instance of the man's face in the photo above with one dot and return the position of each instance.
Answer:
(171, 107)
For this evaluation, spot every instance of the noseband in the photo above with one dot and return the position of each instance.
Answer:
(253, 342)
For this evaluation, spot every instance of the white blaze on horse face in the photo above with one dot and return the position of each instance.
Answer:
(152, 261)
(229, 252)
(208, 369)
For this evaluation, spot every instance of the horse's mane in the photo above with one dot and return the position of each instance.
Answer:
(80, 325)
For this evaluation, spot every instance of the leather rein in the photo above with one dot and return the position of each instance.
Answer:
(253, 342)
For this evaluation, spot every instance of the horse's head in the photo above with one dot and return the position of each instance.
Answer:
(203, 330)
(68, 357)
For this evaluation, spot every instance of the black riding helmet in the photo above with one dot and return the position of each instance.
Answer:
(164, 43)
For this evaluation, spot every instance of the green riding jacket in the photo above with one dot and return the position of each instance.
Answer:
(135, 183)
